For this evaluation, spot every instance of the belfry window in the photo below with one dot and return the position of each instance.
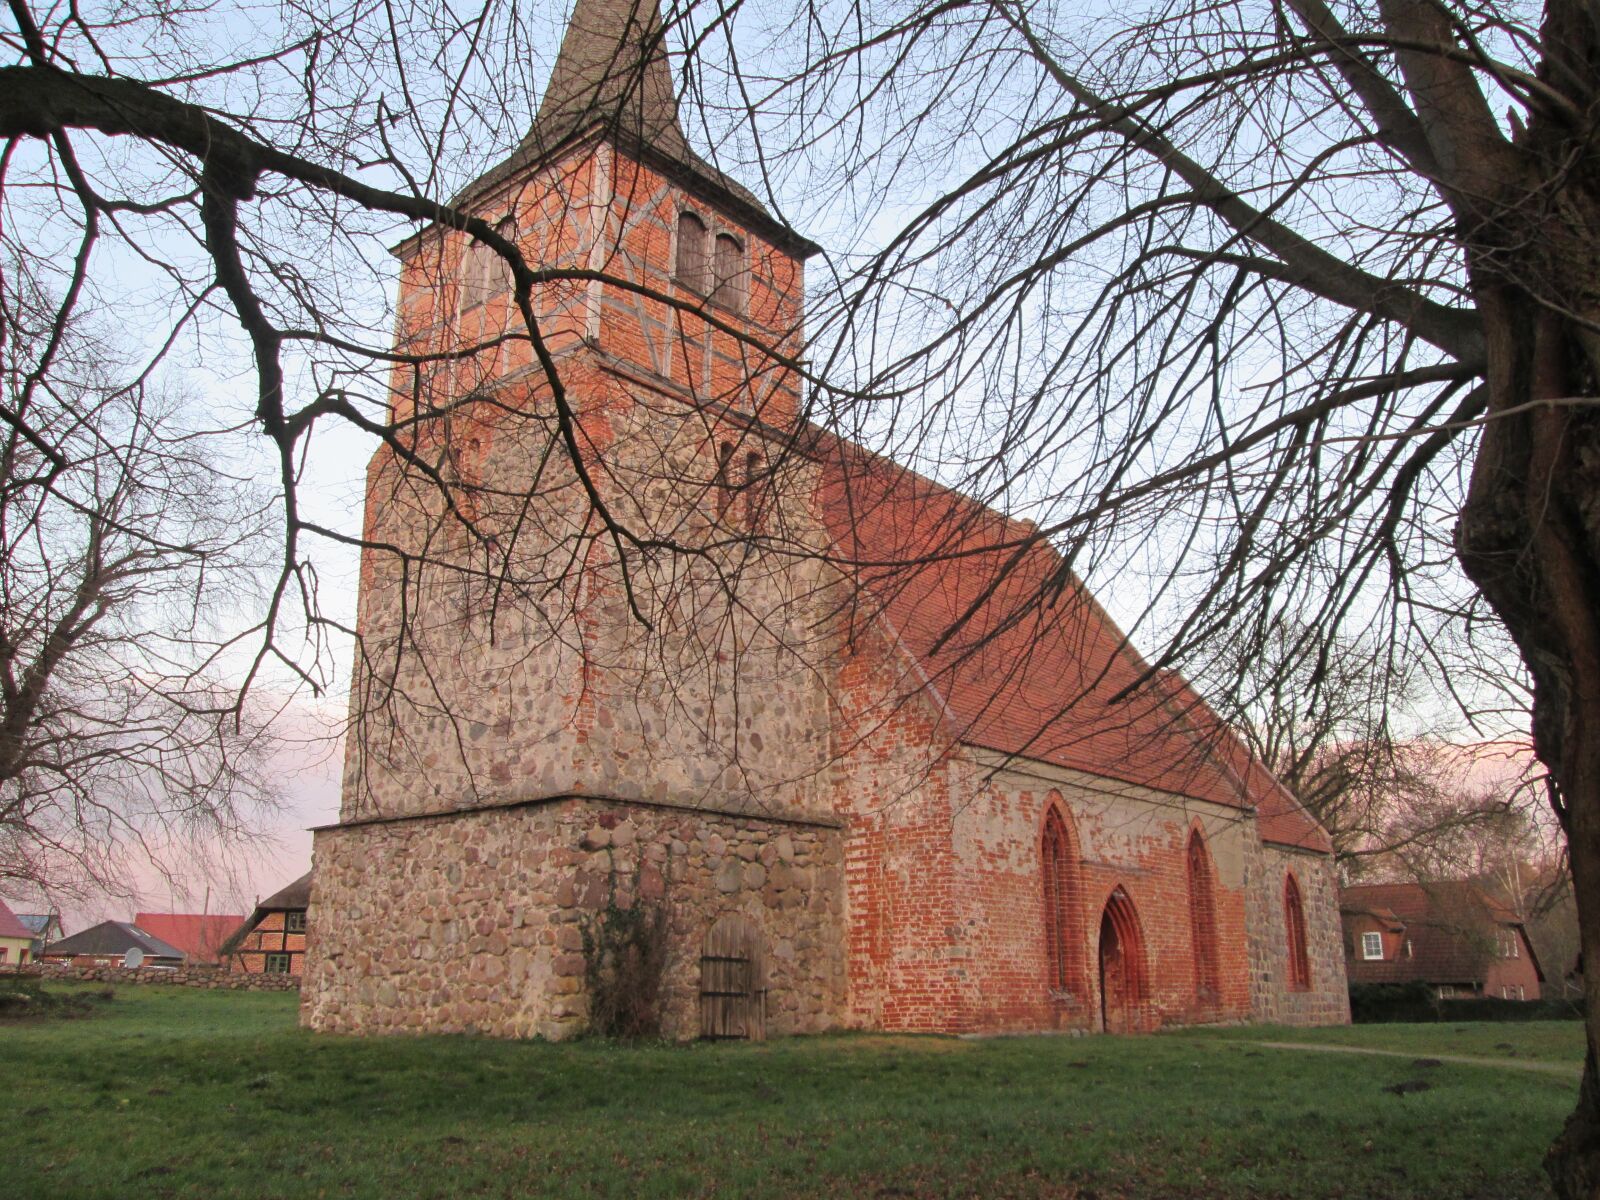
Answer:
(730, 289)
(484, 274)
(690, 268)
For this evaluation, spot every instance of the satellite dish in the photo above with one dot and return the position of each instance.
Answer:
(133, 958)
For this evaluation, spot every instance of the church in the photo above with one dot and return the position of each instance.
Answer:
(638, 634)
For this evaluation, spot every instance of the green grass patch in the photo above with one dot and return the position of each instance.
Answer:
(1536, 1041)
(178, 1093)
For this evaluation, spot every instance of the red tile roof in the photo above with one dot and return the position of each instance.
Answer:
(10, 927)
(199, 936)
(1020, 657)
(1452, 926)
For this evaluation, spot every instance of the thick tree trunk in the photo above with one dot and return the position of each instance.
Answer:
(1529, 537)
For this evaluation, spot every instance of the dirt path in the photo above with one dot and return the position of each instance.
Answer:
(1571, 1070)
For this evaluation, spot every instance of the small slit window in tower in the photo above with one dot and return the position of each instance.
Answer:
(752, 491)
(724, 484)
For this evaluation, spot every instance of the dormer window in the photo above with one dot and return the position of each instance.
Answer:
(690, 268)
(730, 289)
(1371, 946)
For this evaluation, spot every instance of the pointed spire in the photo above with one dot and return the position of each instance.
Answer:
(612, 71)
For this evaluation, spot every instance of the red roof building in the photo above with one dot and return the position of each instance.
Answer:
(1448, 934)
(201, 936)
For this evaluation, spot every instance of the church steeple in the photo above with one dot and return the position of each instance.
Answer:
(612, 71)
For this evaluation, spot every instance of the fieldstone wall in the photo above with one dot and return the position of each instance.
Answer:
(1327, 1001)
(216, 978)
(473, 922)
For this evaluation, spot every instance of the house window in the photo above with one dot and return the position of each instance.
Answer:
(1448, 991)
(690, 268)
(294, 922)
(1512, 949)
(22, 957)
(277, 964)
(730, 290)
(1371, 945)
(4, 952)
(1294, 919)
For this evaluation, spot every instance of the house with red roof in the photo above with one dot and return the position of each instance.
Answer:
(16, 939)
(201, 936)
(1449, 934)
(870, 741)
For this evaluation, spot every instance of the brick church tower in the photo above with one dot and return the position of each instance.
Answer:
(623, 646)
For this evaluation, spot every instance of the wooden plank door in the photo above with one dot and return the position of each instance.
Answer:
(733, 989)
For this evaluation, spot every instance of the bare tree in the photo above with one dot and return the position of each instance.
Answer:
(120, 748)
(1363, 742)
(1291, 306)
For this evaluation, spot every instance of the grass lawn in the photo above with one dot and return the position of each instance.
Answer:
(218, 1094)
(1537, 1041)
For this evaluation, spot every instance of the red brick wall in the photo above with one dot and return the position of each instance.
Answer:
(945, 889)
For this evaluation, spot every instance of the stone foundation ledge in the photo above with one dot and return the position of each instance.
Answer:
(213, 978)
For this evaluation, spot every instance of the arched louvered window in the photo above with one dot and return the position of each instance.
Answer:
(730, 290)
(484, 274)
(691, 267)
(1058, 853)
(1202, 918)
(497, 278)
(1294, 918)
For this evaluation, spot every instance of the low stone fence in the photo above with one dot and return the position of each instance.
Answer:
(195, 977)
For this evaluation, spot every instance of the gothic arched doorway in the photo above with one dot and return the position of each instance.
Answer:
(1124, 979)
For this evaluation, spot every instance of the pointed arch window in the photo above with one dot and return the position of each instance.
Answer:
(1294, 918)
(730, 289)
(1058, 853)
(690, 268)
(1203, 917)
